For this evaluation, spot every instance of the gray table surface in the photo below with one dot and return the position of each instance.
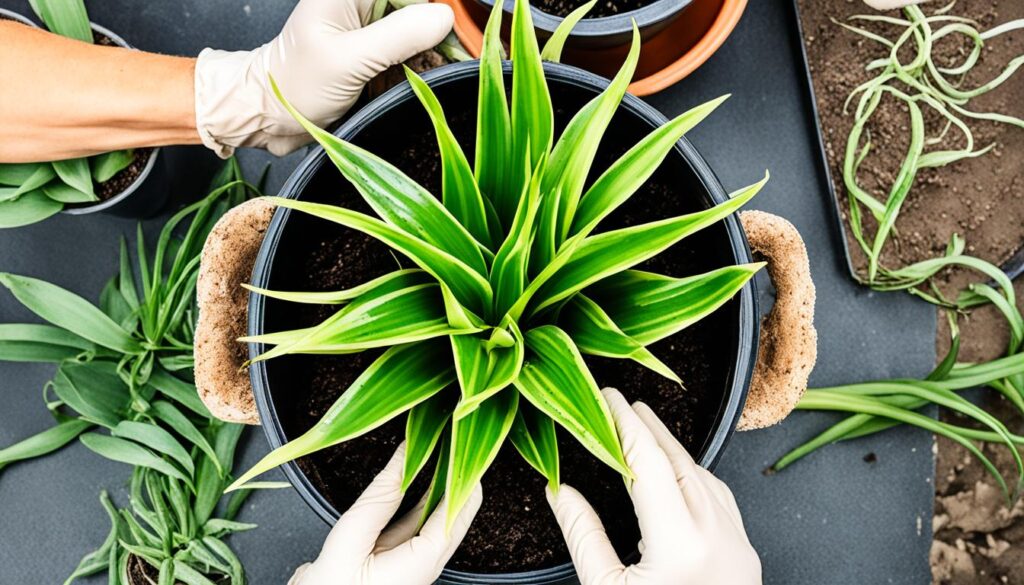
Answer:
(832, 518)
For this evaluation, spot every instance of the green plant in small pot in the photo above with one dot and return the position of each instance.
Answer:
(32, 192)
(508, 281)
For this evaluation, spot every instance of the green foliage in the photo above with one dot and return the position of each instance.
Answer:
(489, 335)
(124, 372)
(32, 192)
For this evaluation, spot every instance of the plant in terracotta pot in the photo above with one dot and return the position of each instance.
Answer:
(487, 305)
(32, 192)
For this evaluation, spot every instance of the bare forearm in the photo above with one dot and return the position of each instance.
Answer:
(64, 99)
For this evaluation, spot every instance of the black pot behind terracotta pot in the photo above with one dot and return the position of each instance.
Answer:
(294, 240)
(602, 32)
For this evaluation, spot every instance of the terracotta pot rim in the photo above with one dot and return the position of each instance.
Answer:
(725, 22)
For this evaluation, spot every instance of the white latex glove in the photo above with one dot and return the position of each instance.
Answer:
(691, 529)
(321, 60)
(892, 4)
(359, 551)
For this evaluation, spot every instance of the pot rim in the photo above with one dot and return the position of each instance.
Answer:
(137, 183)
(654, 13)
(738, 379)
(17, 17)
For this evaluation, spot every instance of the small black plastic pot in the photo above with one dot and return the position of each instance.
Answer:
(606, 31)
(9, 15)
(398, 111)
(147, 194)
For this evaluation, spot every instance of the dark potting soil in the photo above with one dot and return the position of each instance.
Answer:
(602, 8)
(514, 530)
(977, 540)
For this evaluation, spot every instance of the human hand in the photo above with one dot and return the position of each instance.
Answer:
(321, 60)
(359, 551)
(691, 530)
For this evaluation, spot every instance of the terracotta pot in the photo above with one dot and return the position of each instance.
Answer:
(666, 57)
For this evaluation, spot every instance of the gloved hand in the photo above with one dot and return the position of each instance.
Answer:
(691, 529)
(321, 60)
(359, 551)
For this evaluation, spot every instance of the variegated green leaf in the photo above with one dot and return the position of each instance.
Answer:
(459, 190)
(532, 114)
(494, 127)
(483, 369)
(509, 272)
(631, 171)
(476, 440)
(379, 318)
(402, 202)
(650, 307)
(556, 380)
(595, 333)
(553, 48)
(435, 493)
(403, 377)
(423, 429)
(469, 287)
(571, 159)
(407, 277)
(533, 434)
(611, 252)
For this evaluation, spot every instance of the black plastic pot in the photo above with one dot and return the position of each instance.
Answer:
(605, 31)
(315, 180)
(9, 15)
(147, 194)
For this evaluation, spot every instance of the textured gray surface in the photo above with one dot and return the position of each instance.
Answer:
(831, 518)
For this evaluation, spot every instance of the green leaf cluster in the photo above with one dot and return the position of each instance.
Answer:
(32, 192)
(124, 386)
(513, 284)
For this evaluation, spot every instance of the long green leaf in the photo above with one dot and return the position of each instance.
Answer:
(178, 390)
(533, 434)
(395, 197)
(649, 307)
(407, 277)
(157, 439)
(532, 114)
(423, 429)
(476, 440)
(469, 287)
(494, 127)
(44, 442)
(408, 315)
(622, 179)
(67, 18)
(70, 311)
(400, 379)
(127, 452)
(94, 390)
(174, 418)
(76, 174)
(595, 333)
(108, 164)
(439, 480)
(611, 252)
(32, 207)
(556, 380)
(460, 193)
(553, 47)
(509, 270)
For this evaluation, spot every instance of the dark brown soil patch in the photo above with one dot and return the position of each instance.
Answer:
(602, 8)
(515, 529)
(982, 200)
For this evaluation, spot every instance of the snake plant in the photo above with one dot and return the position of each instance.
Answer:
(32, 192)
(513, 285)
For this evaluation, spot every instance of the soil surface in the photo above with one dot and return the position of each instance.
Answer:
(514, 530)
(602, 8)
(978, 540)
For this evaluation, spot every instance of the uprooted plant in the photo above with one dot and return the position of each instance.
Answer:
(31, 192)
(512, 286)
